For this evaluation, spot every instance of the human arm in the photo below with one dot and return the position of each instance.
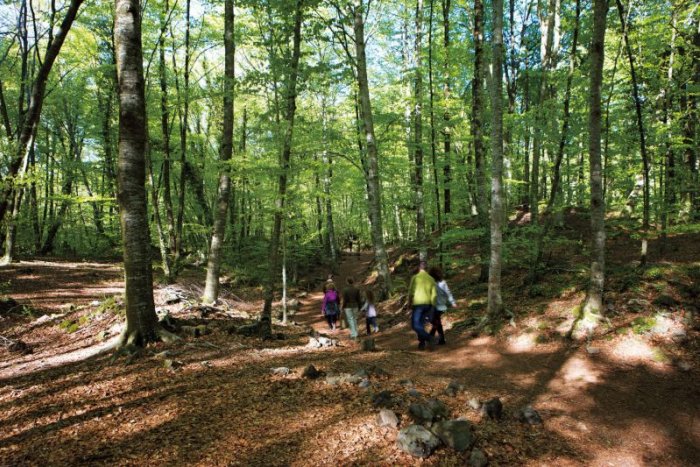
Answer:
(411, 291)
(450, 298)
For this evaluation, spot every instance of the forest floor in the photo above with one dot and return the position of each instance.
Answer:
(626, 398)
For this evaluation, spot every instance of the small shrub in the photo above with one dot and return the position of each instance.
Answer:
(654, 273)
(643, 324)
(69, 326)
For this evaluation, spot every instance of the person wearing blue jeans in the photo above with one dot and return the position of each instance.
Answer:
(422, 297)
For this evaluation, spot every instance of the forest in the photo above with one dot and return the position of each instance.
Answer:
(181, 180)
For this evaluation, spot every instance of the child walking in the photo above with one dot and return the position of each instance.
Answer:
(331, 305)
(370, 312)
(444, 300)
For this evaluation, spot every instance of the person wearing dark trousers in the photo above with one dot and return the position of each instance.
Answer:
(370, 312)
(422, 296)
(444, 301)
(331, 305)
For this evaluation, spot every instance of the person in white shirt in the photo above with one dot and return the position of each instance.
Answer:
(370, 312)
(444, 301)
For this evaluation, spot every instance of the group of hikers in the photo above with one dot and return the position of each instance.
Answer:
(351, 302)
(428, 298)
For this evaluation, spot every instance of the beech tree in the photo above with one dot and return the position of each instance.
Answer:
(211, 288)
(141, 320)
(593, 305)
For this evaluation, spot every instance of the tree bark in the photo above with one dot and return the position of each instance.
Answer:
(640, 126)
(495, 301)
(373, 185)
(593, 305)
(211, 288)
(165, 129)
(480, 191)
(447, 130)
(141, 320)
(418, 132)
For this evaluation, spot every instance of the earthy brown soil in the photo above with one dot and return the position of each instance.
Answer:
(612, 402)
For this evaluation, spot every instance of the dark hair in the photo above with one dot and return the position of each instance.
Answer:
(436, 273)
(369, 295)
(350, 280)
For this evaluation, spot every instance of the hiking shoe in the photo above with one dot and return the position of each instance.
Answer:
(421, 346)
(441, 342)
(431, 343)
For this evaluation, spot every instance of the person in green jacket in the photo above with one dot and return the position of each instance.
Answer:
(422, 297)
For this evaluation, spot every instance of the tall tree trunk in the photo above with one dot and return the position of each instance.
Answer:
(447, 130)
(327, 177)
(593, 305)
(669, 194)
(211, 289)
(433, 132)
(141, 319)
(373, 185)
(418, 132)
(495, 302)
(184, 119)
(30, 122)
(265, 323)
(480, 191)
(640, 126)
(165, 129)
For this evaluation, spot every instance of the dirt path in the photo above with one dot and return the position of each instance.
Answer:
(222, 405)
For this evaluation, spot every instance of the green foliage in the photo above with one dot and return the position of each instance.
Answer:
(643, 324)
(70, 326)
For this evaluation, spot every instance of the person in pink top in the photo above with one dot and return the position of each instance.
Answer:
(331, 304)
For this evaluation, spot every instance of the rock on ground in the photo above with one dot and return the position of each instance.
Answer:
(478, 459)
(387, 417)
(530, 416)
(456, 434)
(417, 441)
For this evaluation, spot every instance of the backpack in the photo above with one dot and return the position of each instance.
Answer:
(332, 302)
(442, 297)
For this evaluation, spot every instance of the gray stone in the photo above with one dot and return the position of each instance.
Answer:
(421, 413)
(313, 343)
(362, 373)
(383, 399)
(453, 388)
(364, 384)
(387, 417)
(478, 459)
(310, 372)
(456, 434)
(439, 409)
(684, 366)
(172, 364)
(593, 350)
(333, 380)
(474, 403)
(407, 383)
(417, 441)
(493, 409)
(529, 415)
(413, 392)
(350, 379)
(293, 304)
(280, 371)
